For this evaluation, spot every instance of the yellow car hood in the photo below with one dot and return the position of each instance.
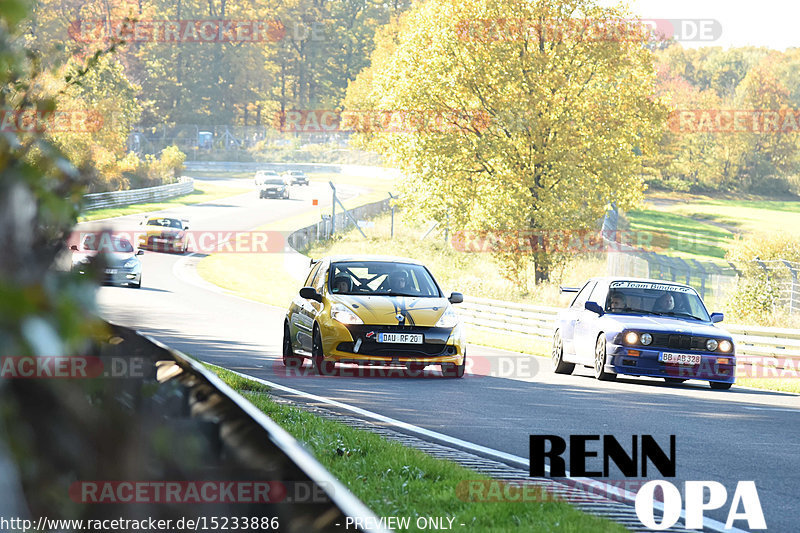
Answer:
(383, 310)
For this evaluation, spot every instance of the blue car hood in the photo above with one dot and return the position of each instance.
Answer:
(667, 324)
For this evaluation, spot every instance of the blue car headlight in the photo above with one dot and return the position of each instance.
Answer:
(646, 339)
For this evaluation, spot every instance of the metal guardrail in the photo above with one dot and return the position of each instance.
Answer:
(135, 196)
(341, 168)
(302, 238)
(538, 322)
(249, 166)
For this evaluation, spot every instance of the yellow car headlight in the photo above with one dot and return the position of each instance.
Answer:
(343, 314)
(449, 319)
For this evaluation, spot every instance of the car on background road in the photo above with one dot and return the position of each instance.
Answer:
(275, 188)
(164, 234)
(372, 310)
(643, 327)
(115, 255)
(264, 175)
(296, 177)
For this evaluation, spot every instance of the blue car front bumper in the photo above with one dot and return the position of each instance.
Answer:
(639, 361)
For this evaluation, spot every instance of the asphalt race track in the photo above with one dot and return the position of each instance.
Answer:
(726, 436)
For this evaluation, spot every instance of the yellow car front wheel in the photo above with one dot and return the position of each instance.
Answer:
(321, 366)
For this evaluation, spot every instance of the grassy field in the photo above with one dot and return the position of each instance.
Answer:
(699, 227)
(679, 235)
(203, 192)
(740, 215)
(395, 480)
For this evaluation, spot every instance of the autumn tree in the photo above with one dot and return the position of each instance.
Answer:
(532, 118)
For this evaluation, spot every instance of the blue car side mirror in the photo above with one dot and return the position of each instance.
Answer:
(594, 307)
(717, 317)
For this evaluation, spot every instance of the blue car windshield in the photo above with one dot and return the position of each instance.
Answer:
(660, 299)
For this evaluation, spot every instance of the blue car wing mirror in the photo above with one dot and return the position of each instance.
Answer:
(594, 307)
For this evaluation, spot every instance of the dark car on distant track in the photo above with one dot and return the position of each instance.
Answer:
(643, 327)
(275, 188)
(296, 177)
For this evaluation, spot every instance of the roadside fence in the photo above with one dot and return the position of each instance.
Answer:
(135, 196)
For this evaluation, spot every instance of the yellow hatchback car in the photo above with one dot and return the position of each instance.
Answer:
(373, 310)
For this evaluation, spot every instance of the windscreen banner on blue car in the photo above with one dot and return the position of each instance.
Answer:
(649, 286)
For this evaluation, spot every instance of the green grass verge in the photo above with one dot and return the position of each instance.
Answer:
(395, 480)
(781, 385)
(235, 381)
(203, 192)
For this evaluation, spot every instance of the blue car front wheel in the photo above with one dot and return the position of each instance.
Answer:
(600, 360)
(559, 366)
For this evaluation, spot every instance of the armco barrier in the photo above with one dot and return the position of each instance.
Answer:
(136, 196)
(145, 416)
(301, 239)
(236, 166)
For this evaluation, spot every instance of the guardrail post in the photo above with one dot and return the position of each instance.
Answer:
(391, 228)
(702, 278)
(793, 289)
(333, 209)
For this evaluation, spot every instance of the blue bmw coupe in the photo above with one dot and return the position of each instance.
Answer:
(643, 327)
